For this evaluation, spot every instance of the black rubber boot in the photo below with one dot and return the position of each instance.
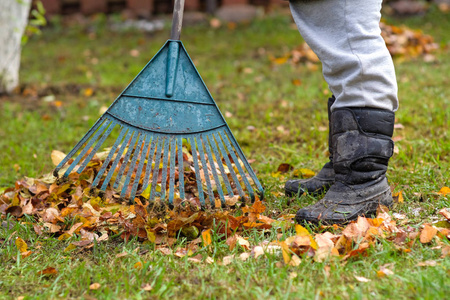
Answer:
(320, 183)
(362, 146)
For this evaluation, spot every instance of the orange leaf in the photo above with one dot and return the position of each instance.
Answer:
(26, 253)
(206, 237)
(95, 286)
(427, 234)
(48, 271)
(444, 191)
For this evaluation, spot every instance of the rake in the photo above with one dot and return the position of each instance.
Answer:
(165, 108)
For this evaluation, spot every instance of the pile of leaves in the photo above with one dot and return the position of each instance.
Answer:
(75, 214)
(402, 42)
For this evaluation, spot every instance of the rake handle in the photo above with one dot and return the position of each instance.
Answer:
(177, 20)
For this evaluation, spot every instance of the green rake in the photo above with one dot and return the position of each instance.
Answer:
(166, 105)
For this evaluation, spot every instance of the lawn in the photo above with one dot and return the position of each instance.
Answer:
(277, 111)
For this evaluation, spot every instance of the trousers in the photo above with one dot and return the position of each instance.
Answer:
(346, 36)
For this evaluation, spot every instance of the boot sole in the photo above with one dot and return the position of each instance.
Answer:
(368, 210)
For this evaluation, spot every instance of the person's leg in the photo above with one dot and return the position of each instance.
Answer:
(345, 35)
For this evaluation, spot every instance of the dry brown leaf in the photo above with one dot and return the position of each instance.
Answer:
(244, 256)
(362, 279)
(427, 234)
(295, 260)
(227, 260)
(95, 286)
(444, 212)
(428, 263)
(48, 271)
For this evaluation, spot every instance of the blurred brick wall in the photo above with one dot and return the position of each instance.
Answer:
(144, 8)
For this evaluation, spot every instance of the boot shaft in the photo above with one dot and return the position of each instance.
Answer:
(361, 143)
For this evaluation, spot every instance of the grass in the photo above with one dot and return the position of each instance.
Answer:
(66, 63)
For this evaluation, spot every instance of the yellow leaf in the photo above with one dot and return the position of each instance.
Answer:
(70, 248)
(286, 252)
(21, 245)
(57, 157)
(398, 197)
(64, 236)
(301, 231)
(150, 234)
(281, 60)
(206, 237)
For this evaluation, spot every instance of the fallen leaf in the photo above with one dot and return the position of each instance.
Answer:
(295, 260)
(444, 191)
(48, 271)
(21, 245)
(428, 263)
(427, 234)
(25, 254)
(147, 287)
(95, 286)
(244, 256)
(398, 197)
(57, 157)
(383, 272)
(206, 237)
(362, 279)
(227, 260)
(284, 168)
(444, 212)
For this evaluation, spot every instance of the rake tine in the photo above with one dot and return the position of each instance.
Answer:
(156, 169)
(229, 165)
(245, 161)
(97, 146)
(130, 151)
(238, 165)
(116, 160)
(109, 157)
(78, 146)
(212, 142)
(201, 197)
(87, 147)
(148, 168)
(213, 169)
(172, 169)
(180, 167)
(164, 169)
(140, 167)
(137, 153)
(205, 170)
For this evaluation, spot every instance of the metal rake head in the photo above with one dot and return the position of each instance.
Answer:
(166, 108)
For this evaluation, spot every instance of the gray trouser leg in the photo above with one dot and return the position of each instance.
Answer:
(345, 35)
